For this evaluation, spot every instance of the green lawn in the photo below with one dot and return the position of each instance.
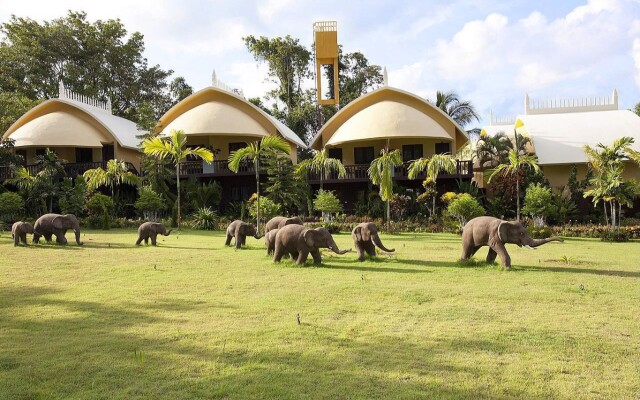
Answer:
(191, 319)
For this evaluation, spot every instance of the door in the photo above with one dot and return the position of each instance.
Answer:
(108, 152)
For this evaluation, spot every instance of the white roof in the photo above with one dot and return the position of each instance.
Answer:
(492, 130)
(560, 138)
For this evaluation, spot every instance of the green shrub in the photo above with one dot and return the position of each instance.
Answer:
(11, 206)
(268, 209)
(205, 219)
(149, 203)
(73, 196)
(100, 207)
(539, 232)
(463, 208)
(615, 235)
(327, 202)
(538, 203)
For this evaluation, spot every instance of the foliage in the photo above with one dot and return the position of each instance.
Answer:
(11, 206)
(117, 173)
(149, 203)
(40, 190)
(498, 207)
(158, 173)
(539, 232)
(205, 218)
(323, 165)
(203, 194)
(400, 206)
(463, 112)
(615, 235)
(73, 196)
(563, 207)
(174, 147)
(268, 209)
(327, 202)
(283, 186)
(538, 204)
(100, 207)
(7, 156)
(356, 76)
(381, 173)
(464, 207)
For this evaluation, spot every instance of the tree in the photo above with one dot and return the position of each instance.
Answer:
(327, 202)
(492, 151)
(381, 173)
(356, 76)
(267, 146)
(323, 165)
(73, 196)
(464, 208)
(283, 186)
(513, 167)
(174, 147)
(149, 203)
(538, 203)
(7, 157)
(433, 165)
(179, 89)
(463, 112)
(636, 109)
(116, 174)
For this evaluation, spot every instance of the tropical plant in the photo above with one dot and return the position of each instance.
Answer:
(433, 165)
(327, 202)
(149, 203)
(381, 173)
(11, 206)
(268, 146)
(115, 175)
(323, 165)
(100, 206)
(538, 204)
(514, 166)
(203, 194)
(267, 208)
(463, 208)
(7, 156)
(175, 148)
(283, 186)
(205, 218)
(73, 196)
(461, 111)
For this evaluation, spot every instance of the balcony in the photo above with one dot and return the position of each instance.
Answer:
(358, 173)
(216, 168)
(70, 169)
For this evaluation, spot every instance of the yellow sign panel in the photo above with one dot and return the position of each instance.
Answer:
(326, 43)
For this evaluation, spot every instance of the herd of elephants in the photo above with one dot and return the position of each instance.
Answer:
(288, 235)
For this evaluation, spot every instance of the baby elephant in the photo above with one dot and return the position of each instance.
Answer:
(280, 221)
(19, 232)
(151, 230)
(240, 230)
(270, 240)
(365, 239)
(298, 241)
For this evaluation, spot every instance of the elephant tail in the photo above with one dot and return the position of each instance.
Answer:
(378, 242)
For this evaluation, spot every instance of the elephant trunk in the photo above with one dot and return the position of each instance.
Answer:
(378, 242)
(258, 236)
(539, 242)
(77, 232)
(168, 233)
(336, 250)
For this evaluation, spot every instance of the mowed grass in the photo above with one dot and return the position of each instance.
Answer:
(192, 319)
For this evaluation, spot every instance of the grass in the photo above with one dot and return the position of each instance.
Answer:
(191, 319)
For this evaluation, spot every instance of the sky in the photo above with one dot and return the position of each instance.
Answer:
(489, 52)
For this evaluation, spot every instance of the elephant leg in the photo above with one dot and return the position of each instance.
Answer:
(16, 239)
(278, 253)
(293, 255)
(23, 238)
(47, 237)
(317, 258)
(140, 239)
(36, 238)
(360, 250)
(302, 257)
(60, 238)
(505, 259)
(370, 248)
(153, 239)
(239, 241)
(146, 240)
(491, 256)
(228, 241)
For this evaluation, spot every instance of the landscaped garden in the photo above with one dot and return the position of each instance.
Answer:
(194, 319)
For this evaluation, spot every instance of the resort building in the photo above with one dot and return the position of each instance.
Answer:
(559, 130)
(393, 118)
(221, 119)
(80, 130)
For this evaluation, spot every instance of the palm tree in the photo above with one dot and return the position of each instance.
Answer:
(433, 166)
(272, 145)
(116, 174)
(323, 165)
(381, 174)
(463, 112)
(493, 150)
(175, 148)
(513, 166)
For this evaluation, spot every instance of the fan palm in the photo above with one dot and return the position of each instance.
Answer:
(433, 166)
(323, 165)
(515, 163)
(175, 148)
(269, 145)
(463, 112)
(381, 174)
(116, 174)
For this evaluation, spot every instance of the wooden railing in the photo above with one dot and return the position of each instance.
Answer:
(359, 172)
(217, 167)
(70, 169)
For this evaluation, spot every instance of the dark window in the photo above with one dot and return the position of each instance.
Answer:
(411, 152)
(41, 152)
(335, 153)
(108, 152)
(236, 146)
(363, 155)
(240, 193)
(23, 154)
(443, 147)
(84, 155)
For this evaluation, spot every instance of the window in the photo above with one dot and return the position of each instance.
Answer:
(363, 155)
(443, 147)
(236, 146)
(240, 193)
(411, 152)
(335, 153)
(84, 155)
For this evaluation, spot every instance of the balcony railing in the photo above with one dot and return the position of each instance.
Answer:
(359, 172)
(216, 168)
(70, 169)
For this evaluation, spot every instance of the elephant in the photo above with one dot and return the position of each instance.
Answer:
(58, 225)
(19, 232)
(270, 240)
(365, 239)
(240, 230)
(495, 233)
(151, 230)
(298, 241)
(279, 222)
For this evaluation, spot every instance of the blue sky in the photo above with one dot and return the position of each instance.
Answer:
(489, 52)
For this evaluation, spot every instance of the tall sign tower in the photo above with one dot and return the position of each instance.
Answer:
(326, 40)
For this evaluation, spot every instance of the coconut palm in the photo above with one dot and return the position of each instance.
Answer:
(381, 174)
(323, 165)
(116, 174)
(463, 112)
(175, 148)
(269, 145)
(514, 165)
(433, 166)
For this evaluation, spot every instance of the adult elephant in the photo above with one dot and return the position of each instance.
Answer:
(151, 230)
(280, 221)
(270, 241)
(58, 225)
(365, 239)
(299, 242)
(19, 231)
(240, 230)
(495, 233)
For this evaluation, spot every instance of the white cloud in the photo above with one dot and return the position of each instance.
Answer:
(268, 9)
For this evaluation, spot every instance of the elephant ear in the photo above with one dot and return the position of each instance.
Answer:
(503, 231)
(310, 237)
(358, 232)
(57, 222)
